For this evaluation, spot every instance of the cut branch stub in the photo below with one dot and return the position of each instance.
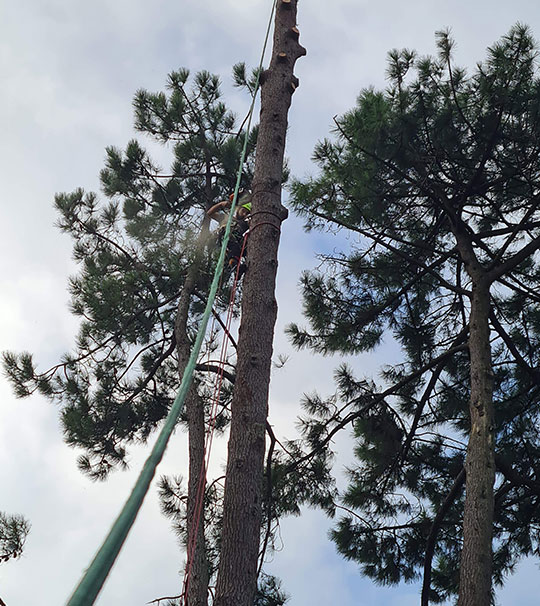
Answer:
(286, 3)
(282, 56)
(294, 84)
(294, 33)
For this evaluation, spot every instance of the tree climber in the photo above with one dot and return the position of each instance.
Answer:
(239, 228)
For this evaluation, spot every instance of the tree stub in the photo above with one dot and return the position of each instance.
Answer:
(294, 32)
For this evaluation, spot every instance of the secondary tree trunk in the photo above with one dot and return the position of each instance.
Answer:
(197, 582)
(197, 563)
(476, 555)
(237, 574)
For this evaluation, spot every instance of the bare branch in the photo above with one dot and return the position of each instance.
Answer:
(432, 537)
(219, 370)
(268, 474)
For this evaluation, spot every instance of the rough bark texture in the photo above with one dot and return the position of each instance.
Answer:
(475, 580)
(237, 575)
(197, 582)
(476, 555)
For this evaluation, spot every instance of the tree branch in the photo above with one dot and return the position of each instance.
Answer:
(376, 399)
(533, 372)
(158, 600)
(430, 543)
(425, 396)
(401, 174)
(379, 240)
(515, 477)
(219, 370)
(268, 474)
(219, 320)
(496, 272)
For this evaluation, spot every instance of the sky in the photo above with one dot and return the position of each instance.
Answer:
(69, 70)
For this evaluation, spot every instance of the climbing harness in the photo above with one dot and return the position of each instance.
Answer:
(92, 581)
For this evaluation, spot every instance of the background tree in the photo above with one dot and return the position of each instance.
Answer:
(436, 183)
(146, 259)
(13, 532)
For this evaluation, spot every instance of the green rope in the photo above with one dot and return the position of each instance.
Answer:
(90, 585)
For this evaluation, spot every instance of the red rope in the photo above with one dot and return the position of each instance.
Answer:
(199, 498)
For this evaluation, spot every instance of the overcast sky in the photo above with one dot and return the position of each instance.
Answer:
(68, 71)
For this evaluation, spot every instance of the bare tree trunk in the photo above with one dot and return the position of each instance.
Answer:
(197, 564)
(476, 556)
(242, 514)
(197, 582)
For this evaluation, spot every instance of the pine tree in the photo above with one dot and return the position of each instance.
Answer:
(146, 258)
(436, 183)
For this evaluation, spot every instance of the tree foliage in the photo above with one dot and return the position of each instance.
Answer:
(435, 182)
(174, 506)
(13, 532)
(134, 250)
(145, 250)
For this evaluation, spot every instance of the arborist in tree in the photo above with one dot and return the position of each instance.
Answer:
(236, 249)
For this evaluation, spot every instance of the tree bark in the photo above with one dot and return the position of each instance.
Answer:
(476, 555)
(196, 583)
(242, 513)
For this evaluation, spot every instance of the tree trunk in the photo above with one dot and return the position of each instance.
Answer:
(476, 555)
(197, 581)
(237, 574)
(196, 586)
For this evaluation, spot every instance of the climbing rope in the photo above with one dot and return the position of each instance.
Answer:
(95, 576)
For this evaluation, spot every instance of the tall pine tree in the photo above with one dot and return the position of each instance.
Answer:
(436, 183)
(146, 257)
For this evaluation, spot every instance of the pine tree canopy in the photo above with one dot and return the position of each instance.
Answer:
(134, 248)
(147, 256)
(435, 183)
